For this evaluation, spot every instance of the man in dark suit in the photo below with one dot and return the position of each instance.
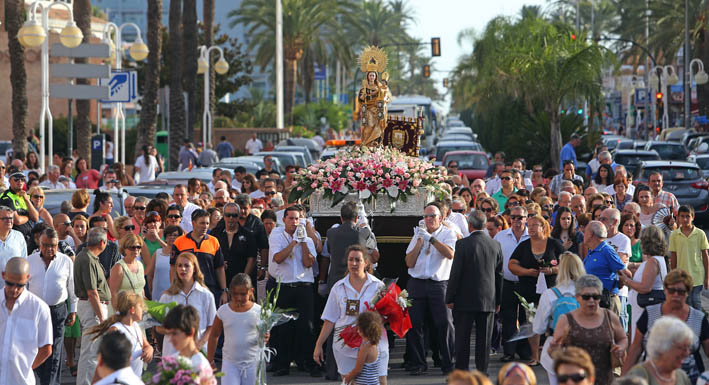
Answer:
(474, 292)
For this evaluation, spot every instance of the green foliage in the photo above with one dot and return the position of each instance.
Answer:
(223, 121)
(302, 132)
(308, 115)
(255, 112)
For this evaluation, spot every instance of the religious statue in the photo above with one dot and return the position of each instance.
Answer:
(374, 95)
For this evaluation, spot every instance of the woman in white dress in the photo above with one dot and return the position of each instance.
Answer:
(651, 273)
(344, 304)
(158, 271)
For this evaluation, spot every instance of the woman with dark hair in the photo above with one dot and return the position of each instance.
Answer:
(565, 230)
(126, 180)
(621, 197)
(194, 188)
(467, 196)
(158, 205)
(603, 178)
(249, 184)
(32, 161)
(648, 207)
(146, 166)
(630, 226)
(86, 177)
(65, 171)
(103, 206)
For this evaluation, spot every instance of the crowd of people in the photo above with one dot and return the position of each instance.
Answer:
(607, 283)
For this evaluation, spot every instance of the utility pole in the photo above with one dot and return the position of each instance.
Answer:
(687, 86)
(279, 64)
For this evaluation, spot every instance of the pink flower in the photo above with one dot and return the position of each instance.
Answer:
(314, 185)
(554, 262)
(360, 185)
(417, 182)
(387, 183)
(403, 184)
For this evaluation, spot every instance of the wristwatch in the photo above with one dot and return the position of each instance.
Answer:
(432, 240)
(226, 290)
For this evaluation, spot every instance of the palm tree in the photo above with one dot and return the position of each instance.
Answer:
(302, 23)
(148, 112)
(14, 17)
(177, 100)
(378, 23)
(189, 69)
(82, 16)
(208, 12)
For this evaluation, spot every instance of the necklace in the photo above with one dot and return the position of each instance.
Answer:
(663, 379)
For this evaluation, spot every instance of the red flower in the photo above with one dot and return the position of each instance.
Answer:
(350, 337)
(360, 186)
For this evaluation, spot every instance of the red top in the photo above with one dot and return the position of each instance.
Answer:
(88, 179)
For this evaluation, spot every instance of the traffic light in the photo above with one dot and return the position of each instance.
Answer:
(580, 111)
(427, 71)
(435, 46)
(573, 36)
(658, 95)
(445, 82)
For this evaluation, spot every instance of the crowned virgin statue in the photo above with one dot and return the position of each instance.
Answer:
(374, 96)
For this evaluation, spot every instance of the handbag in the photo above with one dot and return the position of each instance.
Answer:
(615, 361)
(654, 296)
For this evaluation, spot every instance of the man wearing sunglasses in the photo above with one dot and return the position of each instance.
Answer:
(25, 326)
(12, 242)
(508, 188)
(238, 245)
(17, 199)
(604, 262)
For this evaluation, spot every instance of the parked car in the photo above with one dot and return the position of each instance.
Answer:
(4, 146)
(445, 146)
(172, 178)
(684, 179)
(639, 144)
(285, 158)
(250, 167)
(54, 198)
(702, 160)
(668, 150)
(455, 138)
(631, 158)
(253, 159)
(299, 149)
(472, 164)
(313, 146)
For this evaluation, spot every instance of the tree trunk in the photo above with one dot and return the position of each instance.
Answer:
(292, 54)
(189, 69)
(555, 150)
(82, 16)
(208, 12)
(14, 17)
(149, 107)
(307, 70)
(177, 100)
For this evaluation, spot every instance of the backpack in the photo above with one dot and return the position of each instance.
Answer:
(563, 304)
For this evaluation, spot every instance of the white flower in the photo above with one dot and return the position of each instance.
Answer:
(393, 191)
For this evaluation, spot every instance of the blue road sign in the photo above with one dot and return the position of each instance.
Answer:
(123, 86)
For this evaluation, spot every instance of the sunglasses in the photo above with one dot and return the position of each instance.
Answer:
(2, 167)
(505, 178)
(458, 210)
(587, 297)
(430, 215)
(7, 219)
(67, 223)
(231, 215)
(576, 377)
(270, 193)
(18, 178)
(487, 210)
(546, 217)
(516, 217)
(452, 166)
(174, 216)
(539, 170)
(129, 228)
(512, 204)
(672, 290)
(13, 284)
(139, 208)
(38, 196)
(134, 247)
(610, 202)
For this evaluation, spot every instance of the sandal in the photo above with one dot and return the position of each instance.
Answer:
(533, 363)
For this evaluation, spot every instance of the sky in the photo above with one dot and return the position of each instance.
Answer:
(446, 18)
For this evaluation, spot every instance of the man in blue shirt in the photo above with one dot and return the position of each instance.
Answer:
(603, 262)
(568, 152)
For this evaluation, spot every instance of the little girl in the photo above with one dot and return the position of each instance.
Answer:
(366, 370)
(238, 319)
(129, 310)
(180, 326)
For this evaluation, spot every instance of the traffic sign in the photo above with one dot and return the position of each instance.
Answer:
(122, 85)
(78, 91)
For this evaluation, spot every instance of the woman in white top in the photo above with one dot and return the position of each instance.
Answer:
(146, 166)
(180, 327)
(646, 199)
(188, 289)
(650, 274)
(570, 269)
(344, 304)
(158, 271)
(129, 311)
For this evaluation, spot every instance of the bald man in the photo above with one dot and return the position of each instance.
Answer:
(66, 233)
(25, 326)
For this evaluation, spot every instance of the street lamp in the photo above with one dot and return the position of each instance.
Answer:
(629, 84)
(664, 75)
(221, 67)
(33, 34)
(138, 51)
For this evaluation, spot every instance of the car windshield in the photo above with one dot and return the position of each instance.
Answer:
(703, 163)
(469, 161)
(625, 145)
(674, 174)
(626, 159)
(669, 151)
(443, 150)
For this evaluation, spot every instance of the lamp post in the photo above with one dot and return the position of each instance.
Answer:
(630, 83)
(138, 51)
(664, 75)
(32, 34)
(221, 67)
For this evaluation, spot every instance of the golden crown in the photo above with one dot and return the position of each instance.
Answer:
(372, 59)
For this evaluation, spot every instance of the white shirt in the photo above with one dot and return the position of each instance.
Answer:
(621, 243)
(54, 284)
(53, 186)
(125, 376)
(509, 243)
(203, 300)
(24, 330)
(291, 269)
(493, 185)
(187, 211)
(69, 241)
(112, 189)
(610, 189)
(336, 310)
(240, 334)
(13, 246)
(253, 146)
(236, 184)
(146, 173)
(135, 335)
(460, 220)
(430, 264)
(545, 311)
(257, 194)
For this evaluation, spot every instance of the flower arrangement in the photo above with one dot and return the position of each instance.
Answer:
(368, 172)
(270, 316)
(178, 370)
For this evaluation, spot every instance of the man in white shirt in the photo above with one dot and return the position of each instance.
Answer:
(291, 258)
(510, 309)
(52, 280)
(621, 243)
(114, 356)
(25, 326)
(239, 174)
(52, 181)
(456, 215)
(110, 181)
(267, 189)
(179, 194)
(494, 183)
(253, 145)
(429, 258)
(12, 242)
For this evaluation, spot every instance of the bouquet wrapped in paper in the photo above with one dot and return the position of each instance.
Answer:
(525, 330)
(350, 337)
(178, 370)
(270, 316)
(393, 305)
(156, 312)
